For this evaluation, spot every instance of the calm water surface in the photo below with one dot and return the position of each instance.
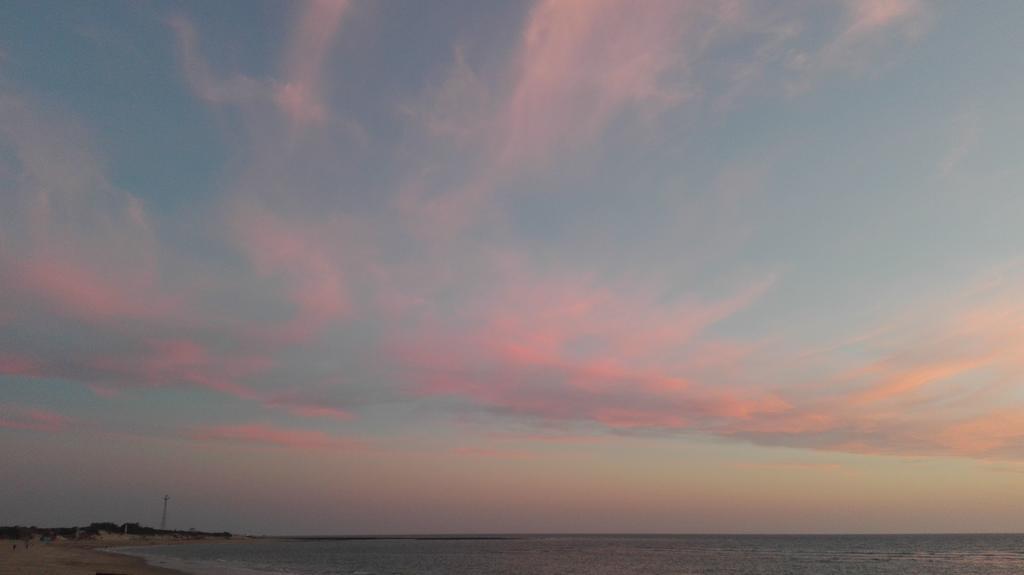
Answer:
(610, 555)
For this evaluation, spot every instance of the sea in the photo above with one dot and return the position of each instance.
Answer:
(986, 554)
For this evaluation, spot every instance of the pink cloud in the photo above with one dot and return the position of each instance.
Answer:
(867, 27)
(203, 81)
(31, 419)
(292, 250)
(310, 408)
(74, 247)
(939, 381)
(906, 381)
(562, 349)
(188, 363)
(299, 95)
(867, 16)
(570, 320)
(183, 362)
(556, 347)
(104, 391)
(289, 249)
(492, 453)
(18, 365)
(547, 438)
(275, 436)
(307, 262)
(620, 418)
(581, 65)
(792, 422)
(988, 434)
(70, 242)
(789, 466)
(584, 66)
(578, 67)
(319, 411)
(299, 103)
(80, 292)
(460, 108)
(581, 62)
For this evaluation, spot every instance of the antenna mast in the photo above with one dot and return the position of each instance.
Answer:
(163, 518)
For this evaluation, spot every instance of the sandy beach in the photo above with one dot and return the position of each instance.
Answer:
(83, 557)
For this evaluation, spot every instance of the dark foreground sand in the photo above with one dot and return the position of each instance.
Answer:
(79, 558)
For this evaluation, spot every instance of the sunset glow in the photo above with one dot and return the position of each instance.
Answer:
(554, 265)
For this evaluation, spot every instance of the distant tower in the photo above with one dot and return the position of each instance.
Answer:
(163, 518)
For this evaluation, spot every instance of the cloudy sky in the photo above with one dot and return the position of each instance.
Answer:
(560, 265)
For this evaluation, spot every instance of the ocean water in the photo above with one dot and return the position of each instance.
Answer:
(607, 555)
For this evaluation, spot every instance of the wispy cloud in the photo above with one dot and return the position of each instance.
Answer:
(937, 382)
(561, 349)
(206, 84)
(577, 68)
(966, 133)
(31, 418)
(865, 28)
(580, 64)
(70, 240)
(307, 262)
(300, 94)
(428, 274)
(871, 16)
(264, 434)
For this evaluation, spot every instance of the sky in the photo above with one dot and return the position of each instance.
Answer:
(547, 266)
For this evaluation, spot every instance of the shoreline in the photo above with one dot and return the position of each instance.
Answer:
(90, 557)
